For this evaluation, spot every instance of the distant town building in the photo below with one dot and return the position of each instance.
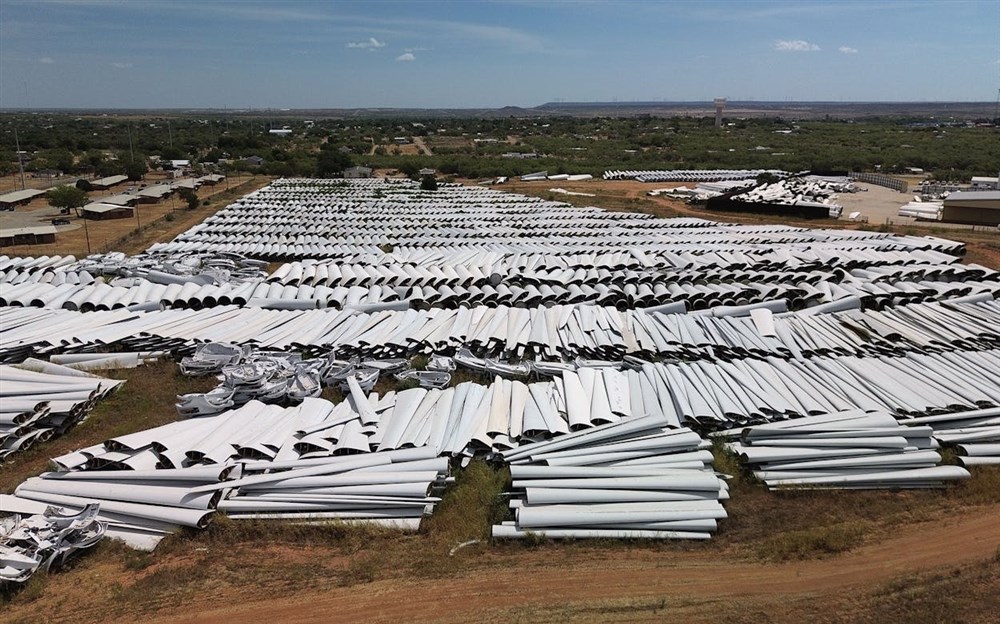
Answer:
(985, 183)
(358, 172)
(254, 160)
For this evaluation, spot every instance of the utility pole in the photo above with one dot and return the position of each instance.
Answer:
(20, 157)
(131, 152)
(86, 232)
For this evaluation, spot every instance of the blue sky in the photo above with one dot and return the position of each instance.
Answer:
(214, 53)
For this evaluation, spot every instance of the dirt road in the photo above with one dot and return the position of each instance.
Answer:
(419, 142)
(596, 584)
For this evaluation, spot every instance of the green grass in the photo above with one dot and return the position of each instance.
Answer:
(727, 462)
(472, 505)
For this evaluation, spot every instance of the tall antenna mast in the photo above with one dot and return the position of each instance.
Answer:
(20, 157)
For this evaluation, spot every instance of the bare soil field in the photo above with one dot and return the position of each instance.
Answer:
(944, 567)
(436, 141)
(630, 585)
(409, 149)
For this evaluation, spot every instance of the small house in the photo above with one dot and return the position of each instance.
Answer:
(358, 172)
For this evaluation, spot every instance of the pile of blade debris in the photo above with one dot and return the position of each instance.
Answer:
(247, 374)
(213, 267)
(36, 536)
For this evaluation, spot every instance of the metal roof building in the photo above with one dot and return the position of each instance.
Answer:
(121, 199)
(187, 183)
(15, 198)
(35, 235)
(109, 181)
(972, 207)
(985, 183)
(155, 193)
(100, 211)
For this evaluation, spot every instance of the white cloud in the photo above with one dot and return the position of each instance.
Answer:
(48, 60)
(371, 44)
(847, 50)
(121, 65)
(408, 56)
(794, 45)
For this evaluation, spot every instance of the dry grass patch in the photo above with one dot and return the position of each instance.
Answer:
(968, 594)
(812, 543)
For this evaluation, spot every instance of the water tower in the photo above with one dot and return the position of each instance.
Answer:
(720, 103)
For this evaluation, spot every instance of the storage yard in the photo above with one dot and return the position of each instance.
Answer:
(458, 380)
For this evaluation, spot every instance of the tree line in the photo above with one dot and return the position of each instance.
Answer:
(104, 145)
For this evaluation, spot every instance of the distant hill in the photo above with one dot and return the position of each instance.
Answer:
(734, 108)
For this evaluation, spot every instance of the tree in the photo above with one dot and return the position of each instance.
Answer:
(213, 155)
(84, 185)
(190, 197)
(428, 183)
(110, 168)
(66, 197)
(767, 178)
(172, 153)
(409, 168)
(332, 163)
(135, 170)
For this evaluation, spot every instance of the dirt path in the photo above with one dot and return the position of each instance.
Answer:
(594, 583)
(419, 142)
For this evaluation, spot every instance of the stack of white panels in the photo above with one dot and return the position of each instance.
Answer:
(844, 450)
(39, 400)
(312, 461)
(974, 434)
(689, 175)
(559, 332)
(393, 489)
(640, 478)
